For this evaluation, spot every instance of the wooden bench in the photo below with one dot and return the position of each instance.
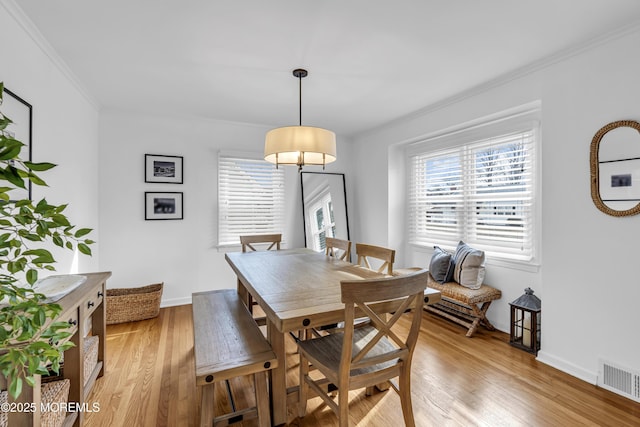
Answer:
(467, 307)
(228, 343)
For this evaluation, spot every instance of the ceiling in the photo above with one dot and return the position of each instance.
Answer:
(370, 61)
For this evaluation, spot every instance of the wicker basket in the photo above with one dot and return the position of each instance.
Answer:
(56, 391)
(53, 392)
(131, 304)
(90, 356)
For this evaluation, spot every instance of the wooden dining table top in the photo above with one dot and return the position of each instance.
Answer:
(300, 288)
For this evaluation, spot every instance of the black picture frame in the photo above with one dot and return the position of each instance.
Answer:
(163, 205)
(21, 114)
(163, 169)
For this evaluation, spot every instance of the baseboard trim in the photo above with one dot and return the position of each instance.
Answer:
(567, 367)
(175, 301)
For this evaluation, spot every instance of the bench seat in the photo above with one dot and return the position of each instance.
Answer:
(467, 307)
(228, 344)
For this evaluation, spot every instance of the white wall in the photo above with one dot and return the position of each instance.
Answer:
(181, 253)
(65, 130)
(588, 279)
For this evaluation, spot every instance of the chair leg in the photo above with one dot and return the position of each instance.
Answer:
(405, 396)
(303, 390)
(343, 407)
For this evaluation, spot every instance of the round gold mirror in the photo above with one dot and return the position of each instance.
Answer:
(615, 168)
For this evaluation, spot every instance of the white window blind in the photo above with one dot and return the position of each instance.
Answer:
(481, 192)
(250, 198)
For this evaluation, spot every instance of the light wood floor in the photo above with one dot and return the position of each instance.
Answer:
(457, 381)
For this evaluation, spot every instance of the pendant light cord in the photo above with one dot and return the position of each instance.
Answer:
(300, 100)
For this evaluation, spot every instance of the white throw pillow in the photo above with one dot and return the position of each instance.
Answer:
(469, 266)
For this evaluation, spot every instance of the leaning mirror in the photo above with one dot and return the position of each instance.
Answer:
(324, 208)
(615, 168)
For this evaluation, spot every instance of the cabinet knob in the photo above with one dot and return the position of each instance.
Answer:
(100, 294)
(90, 304)
(73, 322)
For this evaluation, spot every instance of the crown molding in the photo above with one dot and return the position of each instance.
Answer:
(505, 78)
(29, 27)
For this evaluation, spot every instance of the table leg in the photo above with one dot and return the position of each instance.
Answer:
(244, 295)
(278, 376)
(207, 404)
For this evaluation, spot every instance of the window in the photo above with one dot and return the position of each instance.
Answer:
(480, 191)
(250, 198)
(322, 222)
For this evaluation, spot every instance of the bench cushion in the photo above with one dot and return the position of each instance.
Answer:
(455, 291)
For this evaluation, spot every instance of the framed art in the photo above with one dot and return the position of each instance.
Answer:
(164, 169)
(20, 113)
(158, 206)
(620, 180)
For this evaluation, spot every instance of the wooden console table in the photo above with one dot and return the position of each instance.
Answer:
(84, 309)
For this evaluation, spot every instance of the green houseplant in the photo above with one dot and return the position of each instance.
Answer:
(30, 342)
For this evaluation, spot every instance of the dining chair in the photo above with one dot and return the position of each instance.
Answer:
(333, 247)
(247, 242)
(365, 356)
(339, 249)
(386, 255)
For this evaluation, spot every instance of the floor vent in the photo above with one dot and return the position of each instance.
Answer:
(619, 380)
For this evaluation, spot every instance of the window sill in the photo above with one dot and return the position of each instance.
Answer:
(228, 248)
(532, 266)
(528, 266)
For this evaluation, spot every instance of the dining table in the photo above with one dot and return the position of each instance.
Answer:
(298, 289)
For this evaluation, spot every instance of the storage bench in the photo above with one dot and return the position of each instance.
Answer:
(467, 307)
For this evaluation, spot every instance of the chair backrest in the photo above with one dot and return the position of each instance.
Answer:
(361, 295)
(247, 241)
(331, 244)
(386, 255)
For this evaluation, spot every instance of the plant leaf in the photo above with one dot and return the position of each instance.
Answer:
(60, 220)
(41, 256)
(10, 148)
(36, 180)
(84, 249)
(39, 167)
(82, 232)
(15, 387)
(11, 174)
(32, 276)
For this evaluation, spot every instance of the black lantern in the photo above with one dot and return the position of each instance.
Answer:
(525, 322)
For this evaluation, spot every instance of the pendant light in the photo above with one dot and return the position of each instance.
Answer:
(300, 145)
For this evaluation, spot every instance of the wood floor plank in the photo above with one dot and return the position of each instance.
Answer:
(456, 381)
